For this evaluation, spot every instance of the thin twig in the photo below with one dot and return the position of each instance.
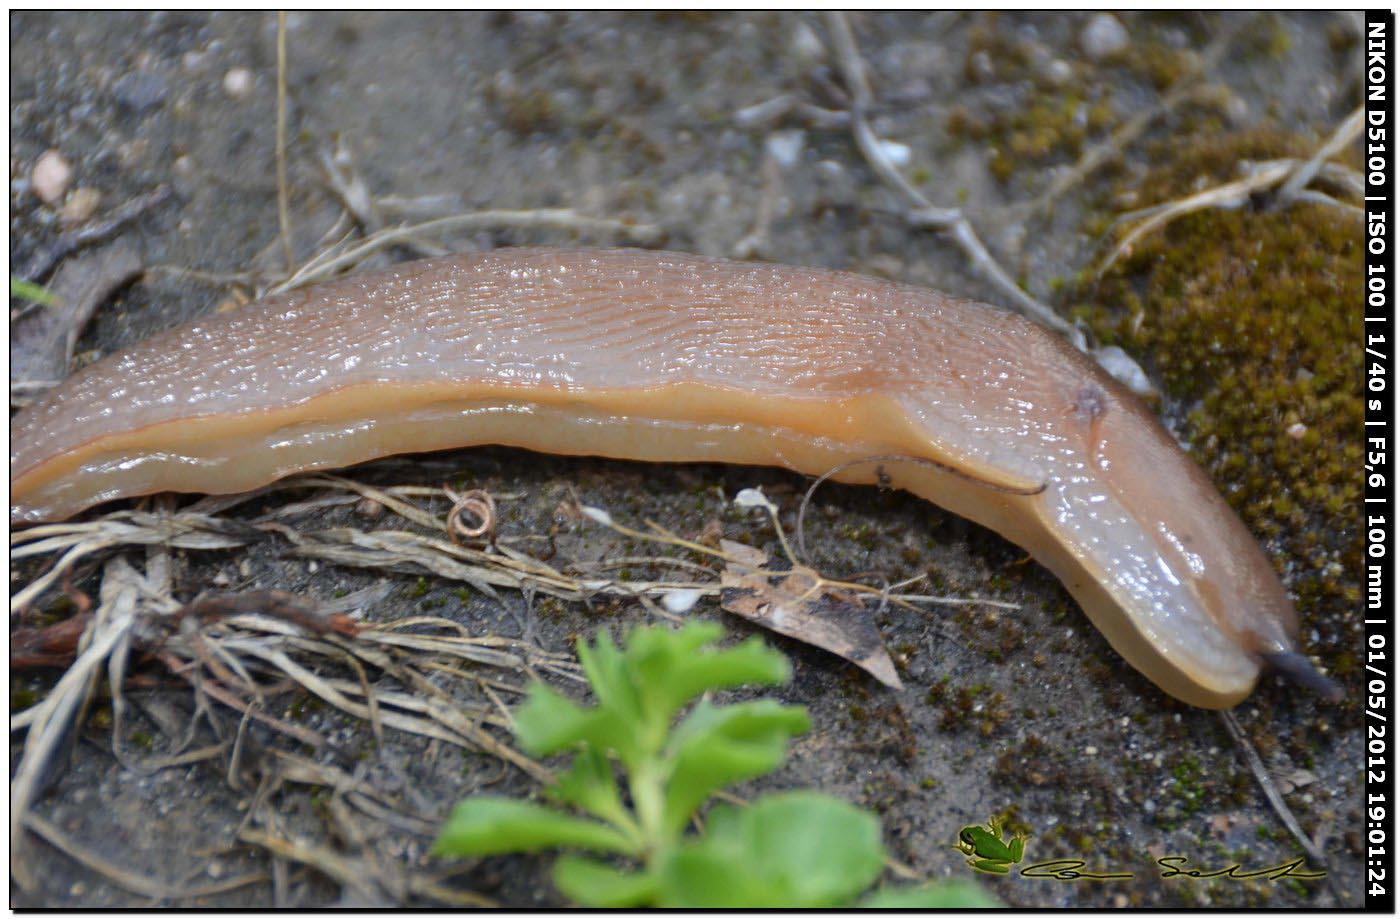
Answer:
(218, 693)
(350, 187)
(1181, 90)
(43, 261)
(1230, 195)
(59, 711)
(544, 219)
(921, 212)
(284, 211)
(352, 873)
(1275, 799)
(756, 240)
(925, 462)
(1344, 135)
(779, 107)
(129, 880)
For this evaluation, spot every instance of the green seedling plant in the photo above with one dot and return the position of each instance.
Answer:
(655, 724)
(20, 289)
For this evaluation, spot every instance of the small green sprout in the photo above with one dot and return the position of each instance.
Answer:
(796, 849)
(20, 289)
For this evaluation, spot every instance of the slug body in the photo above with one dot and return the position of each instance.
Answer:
(666, 357)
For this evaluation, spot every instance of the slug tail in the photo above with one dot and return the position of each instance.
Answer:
(1300, 670)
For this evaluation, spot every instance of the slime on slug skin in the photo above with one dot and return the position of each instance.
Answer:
(667, 357)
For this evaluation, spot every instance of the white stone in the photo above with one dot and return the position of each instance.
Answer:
(238, 82)
(806, 47)
(898, 154)
(51, 176)
(786, 147)
(1103, 36)
(680, 601)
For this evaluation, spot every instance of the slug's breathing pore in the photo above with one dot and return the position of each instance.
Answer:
(668, 357)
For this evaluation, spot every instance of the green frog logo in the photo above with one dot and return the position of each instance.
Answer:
(987, 851)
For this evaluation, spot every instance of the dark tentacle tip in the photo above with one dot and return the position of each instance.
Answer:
(1300, 670)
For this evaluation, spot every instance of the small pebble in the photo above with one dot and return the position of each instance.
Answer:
(786, 147)
(238, 82)
(898, 154)
(1059, 72)
(1237, 110)
(982, 67)
(680, 601)
(806, 47)
(132, 153)
(140, 92)
(51, 176)
(1296, 430)
(1124, 369)
(81, 205)
(1103, 37)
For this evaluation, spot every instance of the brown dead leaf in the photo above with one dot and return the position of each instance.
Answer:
(742, 554)
(712, 535)
(797, 604)
(1291, 780)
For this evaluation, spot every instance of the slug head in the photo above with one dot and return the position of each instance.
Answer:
(1192, 580)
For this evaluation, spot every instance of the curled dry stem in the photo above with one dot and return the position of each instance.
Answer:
(477, 503)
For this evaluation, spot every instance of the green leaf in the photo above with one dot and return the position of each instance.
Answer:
(548, 722)
(655, 658)
(943, 895)
(591, 883)
(714, 747)
(20, 289)
(641, 687)
(608, 672)
(590, 785)
(673, 681)
(807, 850)
(492, 825)
(709, 877)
